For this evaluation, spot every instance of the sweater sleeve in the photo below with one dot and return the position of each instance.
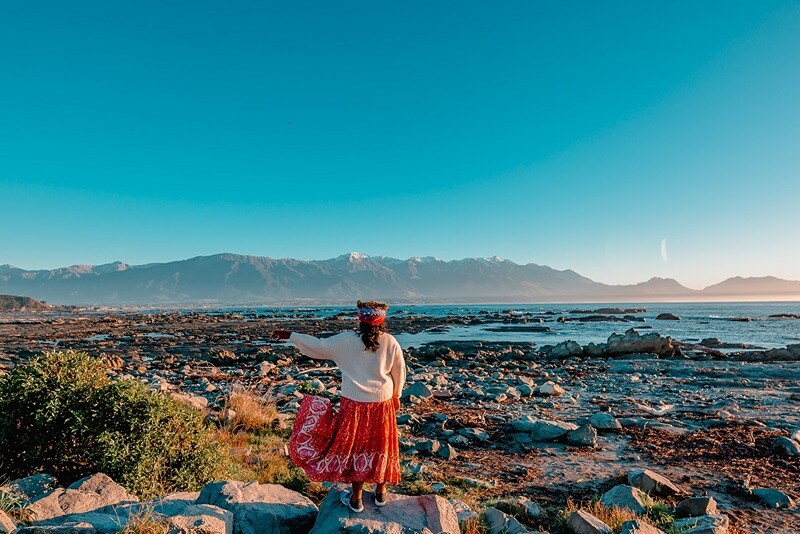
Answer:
(314, 347)
(398, 370)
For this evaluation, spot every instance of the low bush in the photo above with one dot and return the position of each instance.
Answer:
(62, 414)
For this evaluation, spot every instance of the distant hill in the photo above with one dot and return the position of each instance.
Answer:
(238, 279)
(748, 287)
(22, 304)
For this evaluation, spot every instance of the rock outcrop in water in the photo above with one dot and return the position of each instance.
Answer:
(631, 342)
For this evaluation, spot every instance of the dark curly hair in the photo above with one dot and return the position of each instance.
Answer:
(370, 335)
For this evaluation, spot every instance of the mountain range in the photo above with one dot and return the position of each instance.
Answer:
(223, 279)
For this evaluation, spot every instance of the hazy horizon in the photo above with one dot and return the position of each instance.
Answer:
(698, 298)
(622, 141)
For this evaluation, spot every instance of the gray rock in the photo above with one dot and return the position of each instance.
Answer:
(463, 510)
(550, 389)
(447, 452)
(787, 446)
(524, 424)
(474, 434)
(525, 390)
(32, 487)
(62, 501)
(605, 421)
(667, 317)
(502, 523)
(696, 506)
(652, 483)
(7, 524)
(582, 522)
(438, 487)
(197, 402)
(417, 389)
(627, 497)
(107, 489)
(633, 343)
(201, 519)
(83, 523)
(638, 526)
(583, 436)
(458, 439)
(531, 508)
(427, 447)
(773, 498)
(563, 349)
(259, 508)
(705, 524)
(546, 430)
(425, 514)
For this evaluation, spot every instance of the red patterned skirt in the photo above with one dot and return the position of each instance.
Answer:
(356, 444)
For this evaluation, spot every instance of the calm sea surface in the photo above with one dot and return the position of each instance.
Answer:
(698, 321)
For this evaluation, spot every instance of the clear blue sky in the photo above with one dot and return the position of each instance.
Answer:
(574, 134)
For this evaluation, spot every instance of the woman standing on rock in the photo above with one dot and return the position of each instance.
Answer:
(359, 443)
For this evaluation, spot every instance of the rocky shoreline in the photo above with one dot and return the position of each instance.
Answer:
(499, 421)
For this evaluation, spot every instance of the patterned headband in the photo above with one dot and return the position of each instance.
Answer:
(373, 316)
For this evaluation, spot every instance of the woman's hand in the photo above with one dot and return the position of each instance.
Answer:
(396, 402)
(281, 334)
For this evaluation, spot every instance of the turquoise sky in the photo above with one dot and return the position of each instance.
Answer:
(579, 135)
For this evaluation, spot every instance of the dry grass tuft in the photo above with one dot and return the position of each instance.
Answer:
(614, 517)
(474, 526)
(145, 522)
(251, 411)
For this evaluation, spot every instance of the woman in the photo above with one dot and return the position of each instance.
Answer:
(359, 443)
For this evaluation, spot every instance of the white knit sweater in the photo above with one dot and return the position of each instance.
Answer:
(366, 376)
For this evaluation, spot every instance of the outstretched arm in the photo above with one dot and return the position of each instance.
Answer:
(313, 347)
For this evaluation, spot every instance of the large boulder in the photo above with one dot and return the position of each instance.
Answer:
(62, 501)
(696, 506)
(502, 523)
(637, 526)
(705, 524)
(83, 523)
(425, 514)
(547, 430)
(626, 497)
(261, 508)
(773, 498)
(787, 446)
(583, 436)
(652, 483)
(108, 490)
(31, 487)
(631, 342)
(550, 389)
(177, 512)
(563, 349)
(582, 522)
(89, 494)
(605, 422)
(524, 423)
(417, 389)
(201, 519)
(7, 524)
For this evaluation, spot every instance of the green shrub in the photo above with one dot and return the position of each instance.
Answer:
(62, 414)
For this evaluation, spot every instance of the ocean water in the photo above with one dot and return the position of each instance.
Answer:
(698, 321)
